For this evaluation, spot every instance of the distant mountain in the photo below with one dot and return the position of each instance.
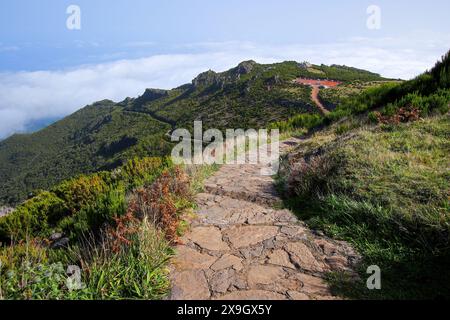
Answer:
(103, 135)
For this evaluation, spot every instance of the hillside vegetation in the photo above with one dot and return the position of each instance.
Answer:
(378, 177)
(374, 172)
(105, 135)
(116, 227)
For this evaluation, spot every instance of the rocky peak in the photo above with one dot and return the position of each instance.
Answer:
(153, 94)
(206, 79)
(149, 96)
(245, 67)
(305, 65)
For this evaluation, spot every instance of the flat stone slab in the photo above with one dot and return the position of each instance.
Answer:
(244, 236)
(190, 285)
(295, 295)
(222, 280)
(280, 258)
(264, 275)
(227, 261)
(209, 238)
(313, 285)
(188, 258)
(301, 255)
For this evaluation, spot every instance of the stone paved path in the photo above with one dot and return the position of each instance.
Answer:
(241, 248)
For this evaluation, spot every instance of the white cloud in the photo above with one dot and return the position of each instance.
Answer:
(29, 96)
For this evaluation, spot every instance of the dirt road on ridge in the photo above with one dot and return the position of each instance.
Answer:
(316, 99)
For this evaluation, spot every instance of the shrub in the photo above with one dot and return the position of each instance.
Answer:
(301, 121)
(159, 201)
(34, 217)
(81, 192)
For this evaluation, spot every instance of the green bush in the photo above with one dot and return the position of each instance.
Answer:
(301, 121)
(33, 217)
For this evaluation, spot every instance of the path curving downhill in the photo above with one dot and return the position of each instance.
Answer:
(240, 247)
(315, 98)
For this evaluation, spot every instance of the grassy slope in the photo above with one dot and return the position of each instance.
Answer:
(332, 97)
(106, 134)
(385, 188)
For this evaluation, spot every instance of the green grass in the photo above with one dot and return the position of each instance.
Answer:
(385, 189)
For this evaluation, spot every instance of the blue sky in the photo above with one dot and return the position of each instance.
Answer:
(125, 46)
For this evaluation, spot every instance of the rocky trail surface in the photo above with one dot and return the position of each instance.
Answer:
(240, 247)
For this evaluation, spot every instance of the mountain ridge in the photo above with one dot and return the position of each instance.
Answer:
(105, 134)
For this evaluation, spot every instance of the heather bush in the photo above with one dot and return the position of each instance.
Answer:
(163, 201)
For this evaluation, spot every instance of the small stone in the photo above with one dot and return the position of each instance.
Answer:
(285, 216)
(188, 258)
(240, 283)
(222, 280)
(60, 244)
(280, 258)
(56, 236)
(253, 295)
(260, 218)
(301, 255)
(226, 261)
(288, 284)
(252, 252)
(263, 275)
(281, 238)
(209, 238)
(269, 244)
(190, 285)
(327, 248)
